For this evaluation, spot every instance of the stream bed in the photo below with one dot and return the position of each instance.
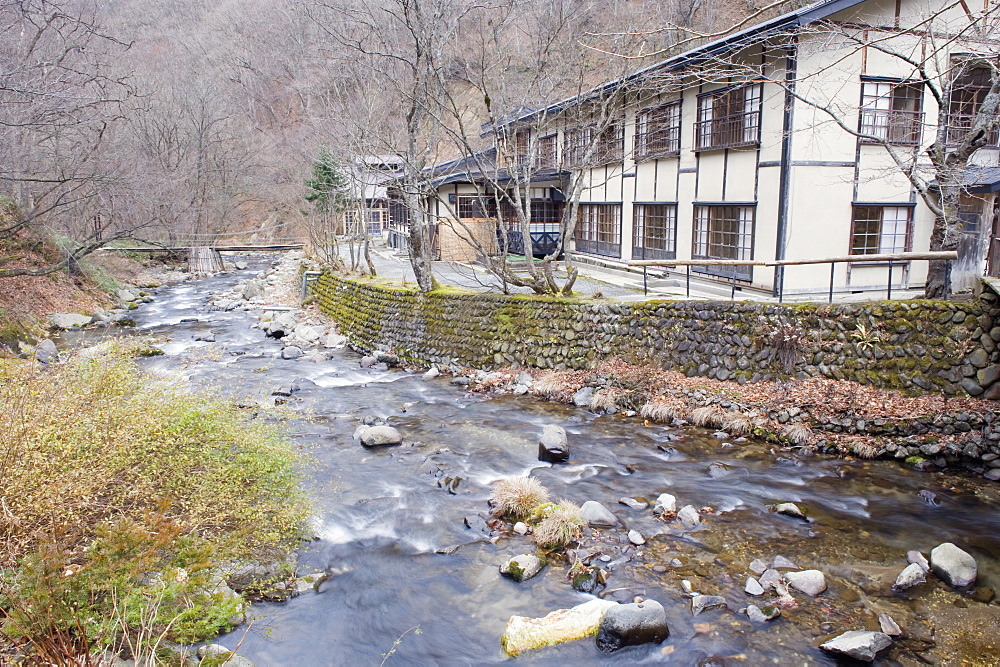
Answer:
(409, 576)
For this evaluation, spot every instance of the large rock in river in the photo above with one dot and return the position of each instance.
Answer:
(553, 446)
(630, 624)
(597, 515)
(380, 436)
(68, 320)
(523, 567)
(523, 634)
(858, 644)
(953, 565)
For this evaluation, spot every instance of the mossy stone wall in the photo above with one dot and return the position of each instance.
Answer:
(916, 346)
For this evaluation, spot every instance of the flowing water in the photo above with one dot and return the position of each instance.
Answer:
(383, 516)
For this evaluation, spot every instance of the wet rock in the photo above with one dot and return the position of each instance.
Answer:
(587, 580)
(688, 589)
(858, 644)
(770, 578)
(519, 390)
(634, 503)
(477, 523)
(553, 445)
(759, 615)
(782, 563)
(753, 587)
(523, 567)
(953, 565)
(632, 624)
(212, 650)
(68, 320)
(387, 358)
(432, 373)
(700, 603)
(911, 575)
(208, 338)
(253, 290)
(810, 582)
(126, 295)
(597, 515)
(790, 509)
(636, 538)
(581, 398)
(264, 578)
(461, 381)
(665, 503)
(306, 333)
(380, 436)
(524, 377)
(758, 566)
(368, 362)
(888, 625)
(688, 516)
(521, 528)
(291, 352)
(917, 558)
(240, 265)
(372, 420)
(332, 341)
(984, 594)
(524, 634)
(46, 352)
(929, 497)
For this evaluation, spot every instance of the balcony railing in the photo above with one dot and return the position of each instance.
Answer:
(603, 248)
(891, 126)
(960, 124)
(734, 131)
(663, 142)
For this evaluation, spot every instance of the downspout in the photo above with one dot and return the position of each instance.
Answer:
(785, 170)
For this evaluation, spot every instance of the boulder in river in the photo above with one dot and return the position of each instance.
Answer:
(553, 445)
(911, 575)
(291, 352)
(861, 645)
(665, 503)
(380, 436)
(782, 563)
(597, 515)
(917, 558)
(563, 625)
(634, 502)
(46, 352)
(753, 587)
(953, 565)
(636, 538)
(68, 320)
(700, 603)
(688, 516)
(810, 582)
(581, 398)
(631, 624)
(762, 615)
(523, 567)
(790, 509)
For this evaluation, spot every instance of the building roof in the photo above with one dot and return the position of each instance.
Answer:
(980, 180)
(736, 40)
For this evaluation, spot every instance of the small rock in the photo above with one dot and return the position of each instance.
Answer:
(380, 436)
(911, 575)
(388, 359)
(524, 378)
(46, 352)
(521, 528)
(782, 563)
(700, 603)
(665, 503)
(461, 381)
(523, 567)
(753, 587)
(953, 565)
(519, 390)
(758, 566)
(888, 625)
(917, 558)
(687, 588)
(581, 398)
(432, 373)
(553, 445)
(212, 650)
(984, 594)
(631, 624)
(368, 362)
(790, 509)
(770, 578)
(758, 615)
(810, 582)
(858, 644)
(240, 265)
(636, 538)
(688, 516)
(634, 503)
(597, 515)
(291, 352)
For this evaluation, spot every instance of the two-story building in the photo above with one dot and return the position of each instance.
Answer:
(786, 140)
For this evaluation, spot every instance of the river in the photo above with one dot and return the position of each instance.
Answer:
(382, 516)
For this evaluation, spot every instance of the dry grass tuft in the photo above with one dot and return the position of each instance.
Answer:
(660, 410)
(562, 525)
(737, 424)
(549, 385)
(799, 433)
(865, 449)
(518, 496)
(708, 416)
(604, 398)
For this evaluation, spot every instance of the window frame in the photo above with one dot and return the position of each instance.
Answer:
(740, 129)
(609, 146)
(641, 246)
(907, 235)
(466, 203)
(890, 125)
(658, 131)
(704, 241)
(589, 231)
(971, 98)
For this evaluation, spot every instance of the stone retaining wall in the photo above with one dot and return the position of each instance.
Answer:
(916, 346)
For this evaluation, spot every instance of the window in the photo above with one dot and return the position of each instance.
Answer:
(599, 229)
(729, 118)
(890, 112)
(608, 146)
(547, 159)
(880, 229)
(474, 207)
(658, 131)
(654, 234)
(722, 231)
(968, 91)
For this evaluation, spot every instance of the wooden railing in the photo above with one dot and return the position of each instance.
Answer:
(888, 258)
